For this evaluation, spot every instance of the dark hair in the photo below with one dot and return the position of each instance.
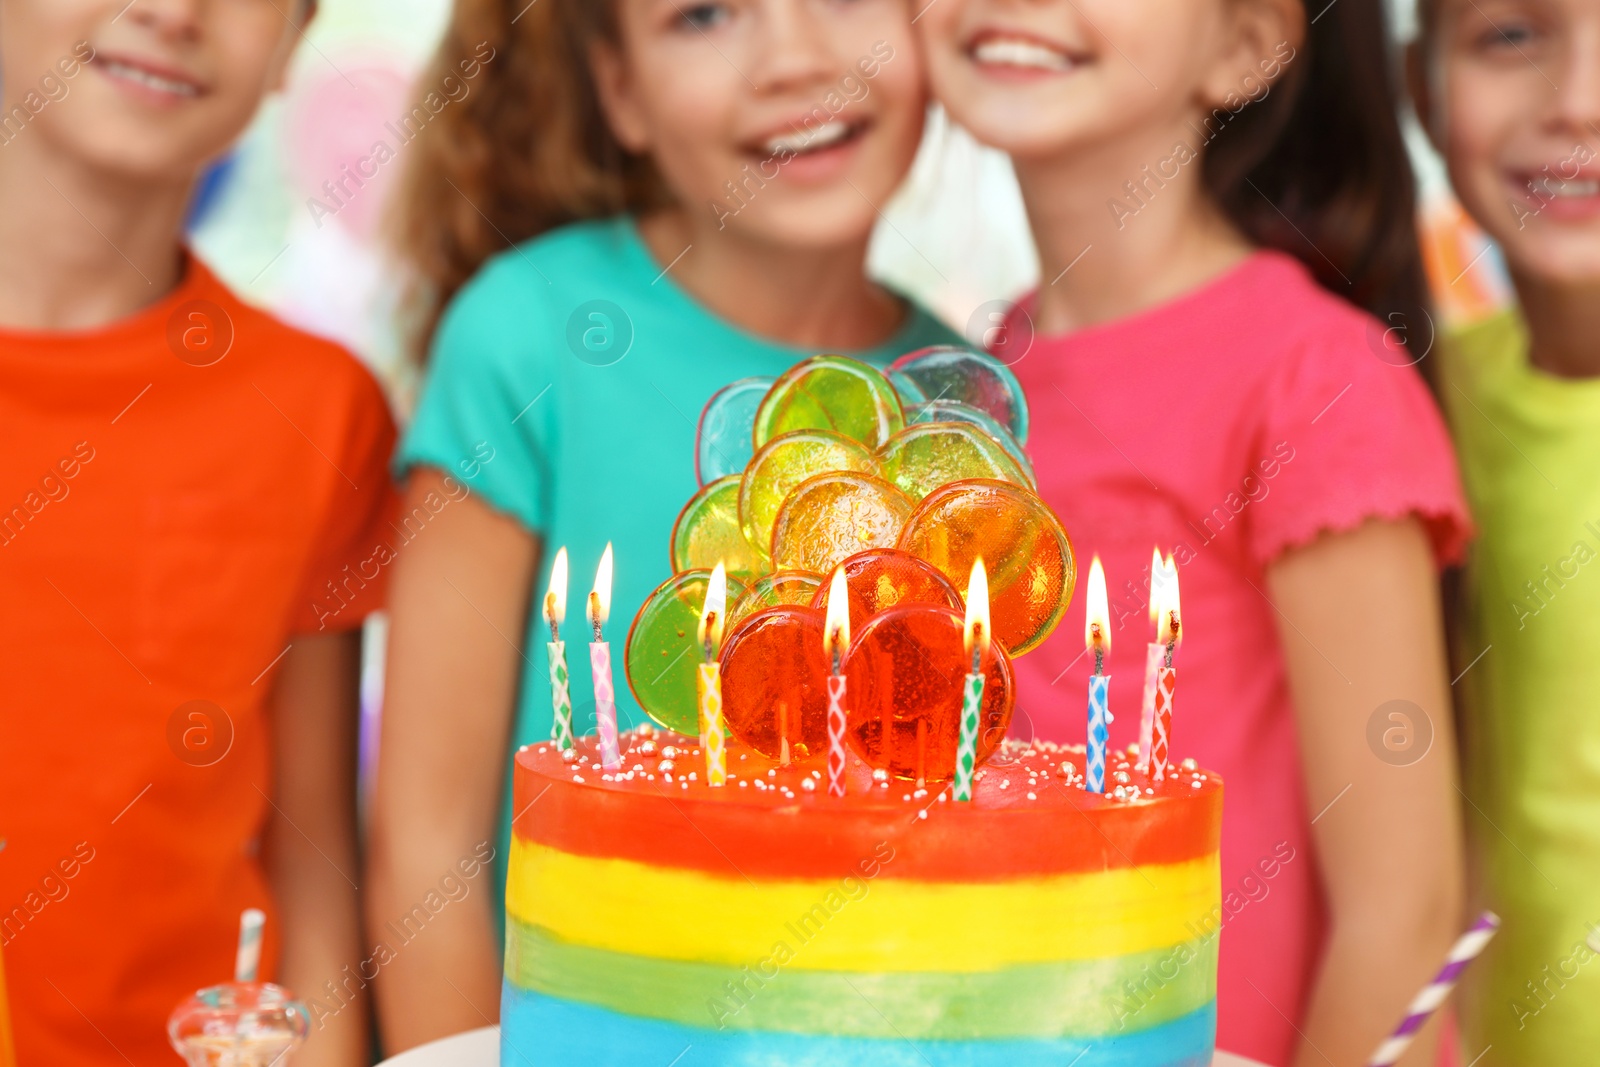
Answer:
(528, 151)
(1318, 167)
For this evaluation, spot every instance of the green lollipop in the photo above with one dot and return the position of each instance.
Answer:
(708, 532)
(924, 456)
(663, 650)
(831, 393)
(782, 464)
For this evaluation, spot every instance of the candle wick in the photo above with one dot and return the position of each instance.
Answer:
(594, 614)
(1099, 659)
(710, 639)
(550, 616)
(978, 644)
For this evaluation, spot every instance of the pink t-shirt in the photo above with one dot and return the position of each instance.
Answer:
(1228, 426)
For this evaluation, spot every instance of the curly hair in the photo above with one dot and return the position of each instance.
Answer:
(528, 151)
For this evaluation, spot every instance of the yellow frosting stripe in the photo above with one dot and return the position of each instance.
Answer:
(851, 924)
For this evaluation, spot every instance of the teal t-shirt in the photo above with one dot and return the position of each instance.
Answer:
(565, 387)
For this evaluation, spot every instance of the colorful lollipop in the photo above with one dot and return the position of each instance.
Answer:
(973, 378)
(1030, 563)
(724, 440)
(921, 458)
(663, 655)
(836, 515)
(843, 396)
(782, 464)
(708, 532)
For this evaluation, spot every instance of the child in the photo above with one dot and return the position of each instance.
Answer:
(692, 187)
(190, 498)
(1507, 91)
(1215, 400)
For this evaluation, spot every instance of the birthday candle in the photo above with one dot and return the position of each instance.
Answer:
(712, 729)
(605, 694)
(555, 613)
(1097, 636)
(835, 641)
(1171, 633)
(975, 637)
(1152, 663)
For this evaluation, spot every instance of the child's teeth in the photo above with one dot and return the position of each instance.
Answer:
(806, 140)
(1016, 53)
(154, 81)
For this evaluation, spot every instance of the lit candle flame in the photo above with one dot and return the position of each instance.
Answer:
(1097, 619)
(600, 596)
(709, 633)
(976, 633)
(555, 600)
(836, 629)
(1169, 629)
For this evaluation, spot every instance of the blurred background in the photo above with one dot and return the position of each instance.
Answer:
(955, 237)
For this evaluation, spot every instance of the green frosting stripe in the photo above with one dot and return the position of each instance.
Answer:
(1077, 998)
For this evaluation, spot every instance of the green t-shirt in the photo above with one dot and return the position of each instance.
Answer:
(1530, 456)
(565, 387)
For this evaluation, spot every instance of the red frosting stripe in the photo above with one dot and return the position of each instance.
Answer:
(762, 833)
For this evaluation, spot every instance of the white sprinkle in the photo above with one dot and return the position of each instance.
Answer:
(1033, 796)
(744, 785)
(808, 784)
(923, 814)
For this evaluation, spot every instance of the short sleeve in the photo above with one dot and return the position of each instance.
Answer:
(1358, 437)
(487, 414)
(351, 548)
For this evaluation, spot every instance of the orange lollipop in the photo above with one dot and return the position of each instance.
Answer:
(1029, 559)
(775, 683)
(905, 673)
(882, 578)
(779, 587)
(835, 515)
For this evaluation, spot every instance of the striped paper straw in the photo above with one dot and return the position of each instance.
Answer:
(1434, 993)
(248, 961)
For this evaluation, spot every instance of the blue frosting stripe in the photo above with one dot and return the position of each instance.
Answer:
(544, 1031)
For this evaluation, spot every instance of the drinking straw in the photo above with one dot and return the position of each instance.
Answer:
(248, 961)
(1434, 993)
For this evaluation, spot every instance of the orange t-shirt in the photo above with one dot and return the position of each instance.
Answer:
(181, 494)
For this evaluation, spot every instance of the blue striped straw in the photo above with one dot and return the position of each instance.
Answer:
(248, 961)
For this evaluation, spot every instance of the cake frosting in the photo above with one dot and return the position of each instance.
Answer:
(655, 919)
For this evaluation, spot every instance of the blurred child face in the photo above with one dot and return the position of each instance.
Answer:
(1040, 78)
(791, 121)
(170, 83)
(1513, 103)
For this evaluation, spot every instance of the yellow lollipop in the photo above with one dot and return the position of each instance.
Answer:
(924, 456)
(708, 532)
(782, 464)
(833, 516)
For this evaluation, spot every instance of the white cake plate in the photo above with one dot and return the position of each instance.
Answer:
(481, 1048)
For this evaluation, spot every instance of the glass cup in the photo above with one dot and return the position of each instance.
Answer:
(239, 1024)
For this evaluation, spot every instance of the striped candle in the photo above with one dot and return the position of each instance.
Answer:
(1147, 707)
(560, 696)
(835, 643)
(605, 704)
(1094, 762)
(967, 746)
(1161, 724)
(1434, 993)
(555, 613)
(248, 960)
(712, 727)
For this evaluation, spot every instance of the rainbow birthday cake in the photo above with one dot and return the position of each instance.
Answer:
(826, 851)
